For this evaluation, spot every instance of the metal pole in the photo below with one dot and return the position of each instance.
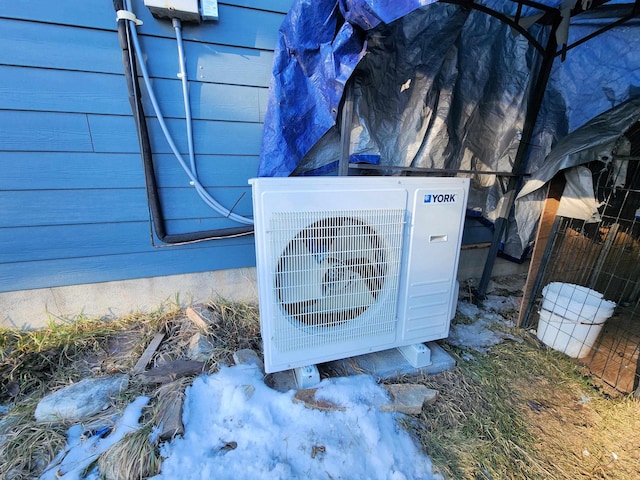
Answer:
(345, 130)
(519, 163)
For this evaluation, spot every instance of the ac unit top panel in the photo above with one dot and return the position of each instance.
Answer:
(325, 197)
(349, 183)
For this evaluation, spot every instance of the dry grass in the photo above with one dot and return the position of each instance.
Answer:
(135, 457)
(33, 362)
(518, 412)
(475, 430)
(231, 326)
(237, 326)
(27, 446)
(521, 412)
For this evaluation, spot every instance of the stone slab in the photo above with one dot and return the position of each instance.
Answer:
(389, 365)
(80, 400)
(408, 398)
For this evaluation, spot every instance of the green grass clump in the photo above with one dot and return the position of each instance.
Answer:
(35, 361)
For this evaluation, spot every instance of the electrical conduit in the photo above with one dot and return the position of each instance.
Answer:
(127, 35)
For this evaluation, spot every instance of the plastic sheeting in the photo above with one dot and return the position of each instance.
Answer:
(436, 86)
(577, 199)
(597, 140)
(594, 95)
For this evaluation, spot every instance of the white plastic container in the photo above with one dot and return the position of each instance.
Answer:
(572, 317)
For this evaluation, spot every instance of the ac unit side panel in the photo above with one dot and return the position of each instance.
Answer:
(432, 249)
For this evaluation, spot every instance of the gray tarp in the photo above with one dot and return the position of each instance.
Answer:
(440, 87)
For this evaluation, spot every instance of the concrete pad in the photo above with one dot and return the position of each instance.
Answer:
(388, 365)
(391, 364)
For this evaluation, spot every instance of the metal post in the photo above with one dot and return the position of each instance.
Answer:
(345, 130)
(519, 163)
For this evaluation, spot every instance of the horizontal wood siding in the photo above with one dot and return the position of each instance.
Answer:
(72, 192)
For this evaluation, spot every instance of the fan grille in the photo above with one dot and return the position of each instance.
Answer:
(331, 268)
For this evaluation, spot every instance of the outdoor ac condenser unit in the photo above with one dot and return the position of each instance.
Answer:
(353, 265)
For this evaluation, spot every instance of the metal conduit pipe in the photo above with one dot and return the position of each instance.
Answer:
(153, 198)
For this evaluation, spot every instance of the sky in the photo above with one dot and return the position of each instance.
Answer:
(237, 427)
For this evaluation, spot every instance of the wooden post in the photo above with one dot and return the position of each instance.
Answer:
(545, 225)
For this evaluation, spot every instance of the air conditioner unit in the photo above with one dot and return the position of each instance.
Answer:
(353, 265)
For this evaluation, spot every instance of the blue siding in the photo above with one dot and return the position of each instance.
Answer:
(44, 131)
(237, 25)
(73, 202)
(70, 170)
(43, 45)
(28, 244)
(118, 134)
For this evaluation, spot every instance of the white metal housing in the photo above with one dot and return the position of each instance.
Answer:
(352, 265)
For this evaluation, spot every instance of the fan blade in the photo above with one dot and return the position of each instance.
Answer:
(299, 279)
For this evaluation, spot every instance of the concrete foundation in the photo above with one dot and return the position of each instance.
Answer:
(35, 308)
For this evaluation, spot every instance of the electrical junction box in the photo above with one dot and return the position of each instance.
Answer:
(185, 10)
(209, 9)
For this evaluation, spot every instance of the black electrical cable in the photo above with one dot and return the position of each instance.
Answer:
(153, 199)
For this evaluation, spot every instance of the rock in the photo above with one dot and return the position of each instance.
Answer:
(246, 356)
(201, 317)
(308, 397)
(281, 381)
(200, 348)
(408, 398)
(80, 400)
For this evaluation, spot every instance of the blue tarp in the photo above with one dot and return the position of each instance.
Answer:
(320, 44)
(436, 86)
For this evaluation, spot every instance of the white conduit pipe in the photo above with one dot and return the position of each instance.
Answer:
(177, 26)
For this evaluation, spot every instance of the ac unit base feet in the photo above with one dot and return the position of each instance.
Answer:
(418, 354)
